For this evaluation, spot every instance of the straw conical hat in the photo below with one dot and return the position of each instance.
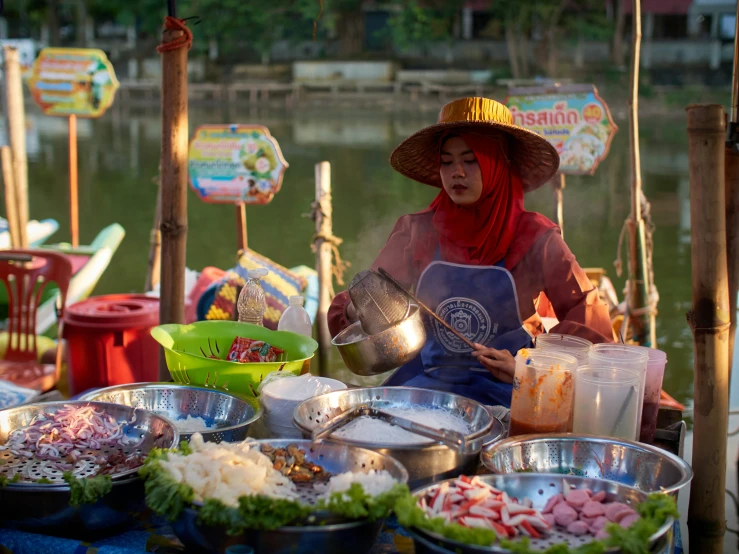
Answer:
(417, 157)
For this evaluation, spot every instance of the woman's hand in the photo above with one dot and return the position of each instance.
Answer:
(498, 362)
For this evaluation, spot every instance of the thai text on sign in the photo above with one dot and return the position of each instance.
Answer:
(574, 118)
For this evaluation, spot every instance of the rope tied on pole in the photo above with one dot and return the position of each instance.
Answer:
(338, 266)
(185, 39)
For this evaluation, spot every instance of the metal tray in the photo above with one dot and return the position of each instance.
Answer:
(539, 488)
(229, 415)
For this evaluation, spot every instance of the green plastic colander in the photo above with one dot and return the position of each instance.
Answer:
(187, 349)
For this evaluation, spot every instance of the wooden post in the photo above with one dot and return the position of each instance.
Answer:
(558, 186)
(732, 197)
(173, 181)
(709, 320)
(242, 238)
(11, 202)
(732, 239)
(74, 217)
(16, 117)
(324, 228)
(641, 315)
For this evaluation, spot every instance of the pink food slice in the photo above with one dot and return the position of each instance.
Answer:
(623, 513)
(628, 521)
(564, 514)
(614, 508)
(599, 496)
(549, 518)
(551, 503)
(588, 520)
(598, 524)
(602, 534)
(593, 509)
(577, 498)
(578, 528)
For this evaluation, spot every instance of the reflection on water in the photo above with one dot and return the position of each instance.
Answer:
(119, 156)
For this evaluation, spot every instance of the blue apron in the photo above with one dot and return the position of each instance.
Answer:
(481, 303)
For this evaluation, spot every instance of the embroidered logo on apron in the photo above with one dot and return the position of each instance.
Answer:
(466, 316)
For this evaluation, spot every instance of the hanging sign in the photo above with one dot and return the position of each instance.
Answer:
(73, 81)
(573, 118)
(235, 164)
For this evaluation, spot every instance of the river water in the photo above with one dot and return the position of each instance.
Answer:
(119, 156)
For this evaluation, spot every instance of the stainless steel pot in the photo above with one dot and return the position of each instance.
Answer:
(368, 355)
(425, 462)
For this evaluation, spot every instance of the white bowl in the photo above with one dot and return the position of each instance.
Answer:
(281, 397)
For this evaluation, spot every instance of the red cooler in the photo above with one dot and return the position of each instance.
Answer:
(109, 341)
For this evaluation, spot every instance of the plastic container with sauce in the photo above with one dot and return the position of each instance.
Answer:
(543, 392)
(656, 362)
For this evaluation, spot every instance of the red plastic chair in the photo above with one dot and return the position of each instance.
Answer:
(25, 282)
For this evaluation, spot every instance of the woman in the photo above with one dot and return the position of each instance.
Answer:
(476, 257)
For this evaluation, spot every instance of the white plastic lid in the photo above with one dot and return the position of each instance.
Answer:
(257, 273)
(296, 300)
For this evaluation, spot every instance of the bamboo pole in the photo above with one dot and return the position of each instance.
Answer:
(11, 202)
(641, 313)
(324, 229)
(709, 320)
(154, 266)
(558, 187)
(173, 182)
(16, 117)
(732, 239)
(242, 237)
(74, 212)
(732, 197)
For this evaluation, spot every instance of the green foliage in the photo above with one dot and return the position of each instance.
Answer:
(87, 490)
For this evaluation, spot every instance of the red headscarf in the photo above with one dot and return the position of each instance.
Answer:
(484, 233)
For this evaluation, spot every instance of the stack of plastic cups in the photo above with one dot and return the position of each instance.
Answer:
(656, 362)
(574, 346)
(623, 357)
(606, 402)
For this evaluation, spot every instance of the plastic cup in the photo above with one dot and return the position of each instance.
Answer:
(606, 402)
(543, 392)
(623, 356)
(656, 362)
(569, 344)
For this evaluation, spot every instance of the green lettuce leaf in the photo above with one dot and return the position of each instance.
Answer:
(87, 490)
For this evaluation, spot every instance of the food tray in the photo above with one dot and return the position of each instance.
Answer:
(539, 488)
(147, 429)
(229, 415)
(634, 464)
(426, 462)
(328, 536)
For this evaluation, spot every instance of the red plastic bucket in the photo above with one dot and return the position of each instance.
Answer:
(109, 341)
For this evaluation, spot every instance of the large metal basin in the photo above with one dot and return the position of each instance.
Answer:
(634, 464)
(375, 354)
(425, 463)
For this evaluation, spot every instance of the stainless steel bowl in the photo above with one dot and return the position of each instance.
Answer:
(328, 534)
(229, 415)
(155, 430)
(630, 463)
(368, 355)
(425, 462)
(46, 509)
(539, 488)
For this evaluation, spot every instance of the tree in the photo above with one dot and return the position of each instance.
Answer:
(419, 24)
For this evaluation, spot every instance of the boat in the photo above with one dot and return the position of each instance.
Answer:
(37, 231)
(88, 265)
